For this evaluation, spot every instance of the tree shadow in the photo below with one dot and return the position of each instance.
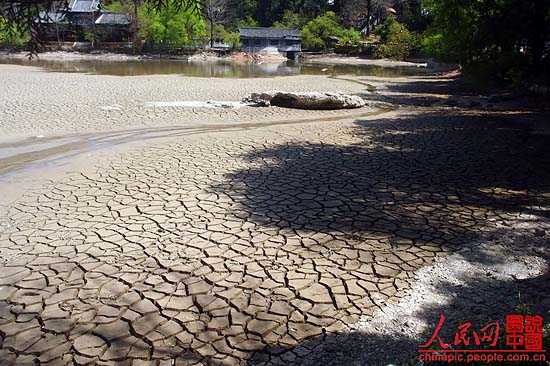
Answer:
(480, 301)
(459, 92)
(424, 179)
(427, 180)
(341, 224)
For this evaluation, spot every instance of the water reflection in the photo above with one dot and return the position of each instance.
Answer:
(217, 69)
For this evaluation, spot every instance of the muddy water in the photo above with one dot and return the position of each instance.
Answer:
(221, 69)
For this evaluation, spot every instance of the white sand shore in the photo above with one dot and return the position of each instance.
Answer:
(35, 102)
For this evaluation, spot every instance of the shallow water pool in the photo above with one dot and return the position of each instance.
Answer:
(219, 69)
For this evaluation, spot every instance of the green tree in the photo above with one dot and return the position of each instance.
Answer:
(318, 31)
(173, 26)
(233, 39)
(132, 8)
(489, 31)
(396, 40)
(247, 22)
(214, 11)
(241, 11)
(349, 38)
(268, 12)
(412, 14)
(325, 31)
(349, 42)
(10, 36)
(364, 13)
(22, 15)
(291, 20)
(218, 34)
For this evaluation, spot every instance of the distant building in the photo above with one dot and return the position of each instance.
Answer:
(55, 26)
(83, 12)
(81, 17)
(113, 27)
(272, 40)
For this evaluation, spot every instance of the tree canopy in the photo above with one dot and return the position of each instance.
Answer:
(507, 33)
(20, 16)
(513, 34)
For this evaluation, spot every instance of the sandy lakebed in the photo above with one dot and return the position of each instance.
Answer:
(137, 233)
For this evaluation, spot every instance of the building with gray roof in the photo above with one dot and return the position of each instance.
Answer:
(82, 17)
(271, 40)
(84, 6)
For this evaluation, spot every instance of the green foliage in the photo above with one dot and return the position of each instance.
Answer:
(117, 6)
(291, 20)
(233, 39)
(350, 38)
(325, 31)
(452, 34)
(318, 31)
(177, 27)
(489, 32)
(91, 37)
(267, 12)
(10, 36)
(248, 22)
(219, 32)
(412, 14)
(397, 41)
(349, 42)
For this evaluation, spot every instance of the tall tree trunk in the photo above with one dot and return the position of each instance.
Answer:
(369, 11)
(211, 33)
(93, 31)
(136, 40)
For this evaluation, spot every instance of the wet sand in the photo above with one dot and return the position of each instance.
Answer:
(354, 60)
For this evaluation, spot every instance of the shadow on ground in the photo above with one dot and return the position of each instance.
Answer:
(403, 190)
(432, 179)
(398, 348)
(459, 92)
(437, 179)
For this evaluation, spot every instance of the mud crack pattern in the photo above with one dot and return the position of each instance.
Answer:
(236, 248)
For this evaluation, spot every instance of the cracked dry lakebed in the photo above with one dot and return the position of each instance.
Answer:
(179, 243)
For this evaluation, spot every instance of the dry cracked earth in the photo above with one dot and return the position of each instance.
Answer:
(236, 248)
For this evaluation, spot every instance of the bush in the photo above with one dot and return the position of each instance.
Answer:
(349, 38)
(397, 42)
(219, 32)
(233, 39)
(10, 36)
(291, 20)
(319, 33)
(349, 42)
(91, 37)
(171, 26)
(248, 22)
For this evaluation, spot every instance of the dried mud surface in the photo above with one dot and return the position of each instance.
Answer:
(270, 245)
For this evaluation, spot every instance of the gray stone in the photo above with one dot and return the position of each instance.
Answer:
(312, 100)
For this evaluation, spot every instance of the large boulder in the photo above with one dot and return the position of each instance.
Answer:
(313, 100)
